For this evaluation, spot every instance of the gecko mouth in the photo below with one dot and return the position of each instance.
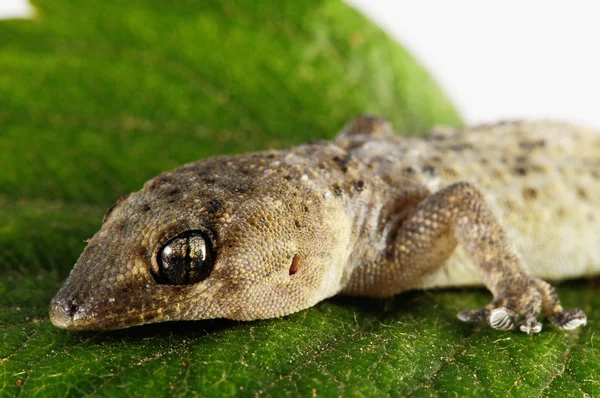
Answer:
(67, 314)
(80, 309)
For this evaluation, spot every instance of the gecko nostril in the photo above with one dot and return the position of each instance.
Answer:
(72, 309)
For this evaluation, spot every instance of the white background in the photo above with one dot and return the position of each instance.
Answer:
(15, 9)
(496, 60)
(504, 59)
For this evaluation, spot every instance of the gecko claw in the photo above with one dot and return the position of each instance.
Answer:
(530, 327)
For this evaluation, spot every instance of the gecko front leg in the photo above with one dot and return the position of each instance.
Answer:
(459, 215)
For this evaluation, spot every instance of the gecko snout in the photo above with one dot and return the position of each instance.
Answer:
(62, 312)
(68, 312)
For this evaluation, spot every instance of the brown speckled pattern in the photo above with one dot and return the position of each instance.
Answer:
(369, 214)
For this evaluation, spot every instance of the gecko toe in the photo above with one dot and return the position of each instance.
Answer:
(530, 326)
(569, 319)
(502, 318)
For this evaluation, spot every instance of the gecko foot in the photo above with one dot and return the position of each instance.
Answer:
(538, 296)
(498, 318)
(503, 313)
(501, 318)
(568, 319)
(561, 318)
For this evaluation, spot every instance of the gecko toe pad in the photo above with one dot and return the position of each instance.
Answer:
(502, 318)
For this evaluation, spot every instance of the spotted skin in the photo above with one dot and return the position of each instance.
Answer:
(369, 214)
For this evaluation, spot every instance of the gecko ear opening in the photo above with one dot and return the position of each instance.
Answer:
(185, 259)
(295, 264)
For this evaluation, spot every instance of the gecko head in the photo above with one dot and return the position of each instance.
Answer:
(191, 247)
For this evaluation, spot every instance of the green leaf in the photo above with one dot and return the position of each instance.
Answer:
(98, 96)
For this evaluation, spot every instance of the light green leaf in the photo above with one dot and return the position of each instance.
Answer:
(98, 96)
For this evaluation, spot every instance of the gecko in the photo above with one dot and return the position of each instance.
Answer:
(371, 213)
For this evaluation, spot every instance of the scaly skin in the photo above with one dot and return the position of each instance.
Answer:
(369, 214)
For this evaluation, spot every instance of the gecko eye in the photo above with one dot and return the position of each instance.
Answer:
(185, 259)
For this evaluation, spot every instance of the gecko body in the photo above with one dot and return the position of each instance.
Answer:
(267, 234)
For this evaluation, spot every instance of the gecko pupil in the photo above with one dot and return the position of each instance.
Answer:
(185, 259)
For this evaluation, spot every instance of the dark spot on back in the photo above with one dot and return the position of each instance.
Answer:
(342, 163)
(173, 191)
(522, 171)
(213, 206)
(359, 185)
(583, 193)
(530, 193)
(241, 189)
(336, 189)
(409, 170)
(288, 178)
(146, 208)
